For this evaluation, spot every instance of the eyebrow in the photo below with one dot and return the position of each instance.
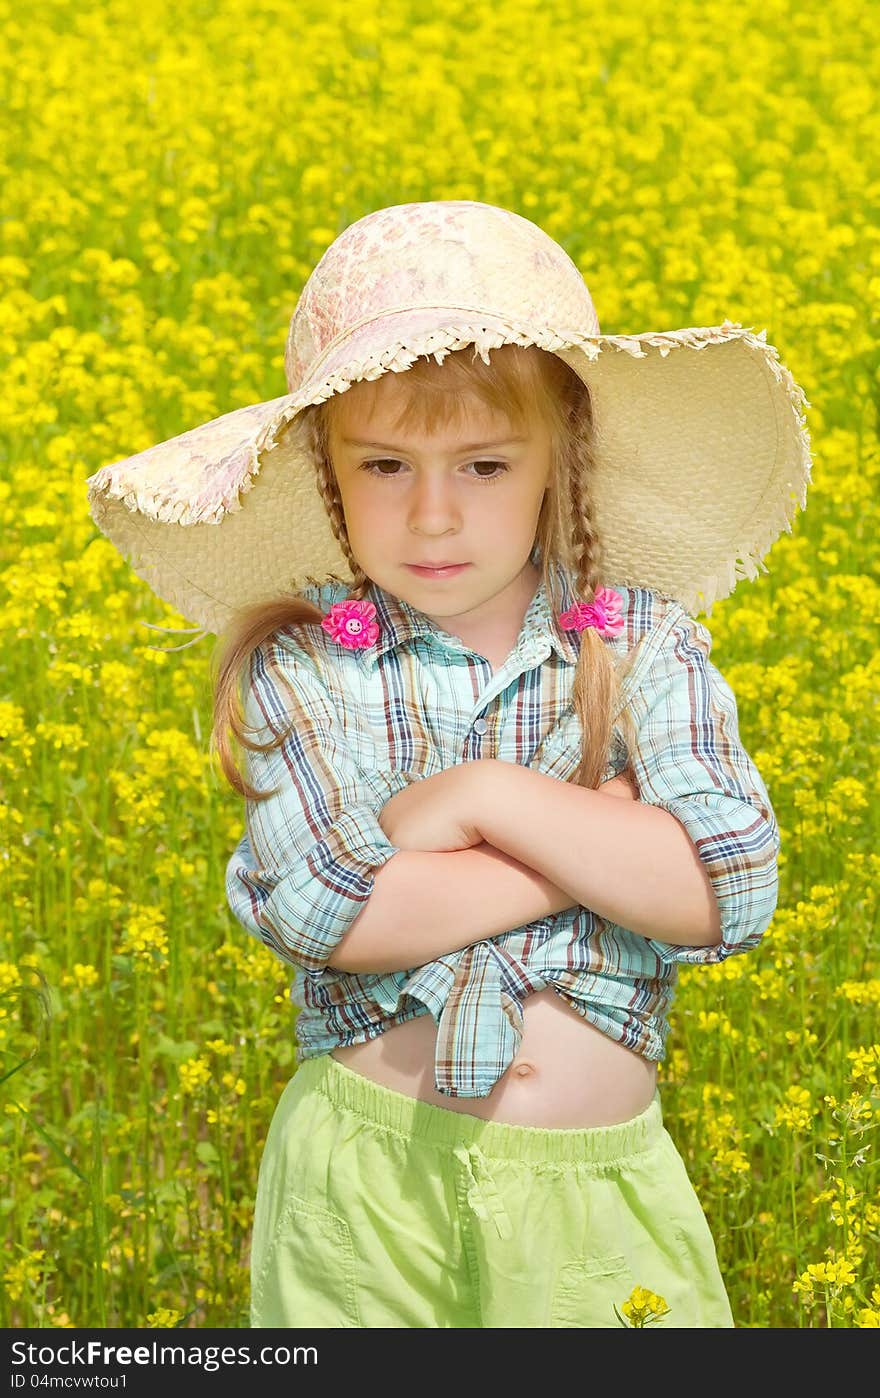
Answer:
(468, 446)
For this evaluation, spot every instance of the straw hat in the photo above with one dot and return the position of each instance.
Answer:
(702, 454)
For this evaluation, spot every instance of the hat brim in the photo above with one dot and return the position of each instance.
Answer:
(702, 459)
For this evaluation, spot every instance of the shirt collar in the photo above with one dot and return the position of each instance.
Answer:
(400, 623)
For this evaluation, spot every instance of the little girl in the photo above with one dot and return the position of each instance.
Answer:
(455, 569)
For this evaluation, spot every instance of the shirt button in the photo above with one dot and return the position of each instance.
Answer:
(480, 726)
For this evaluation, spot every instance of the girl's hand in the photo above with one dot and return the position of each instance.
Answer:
(439, 813)
(433, 814)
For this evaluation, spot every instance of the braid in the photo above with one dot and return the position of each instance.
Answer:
(327, 485)
(586, 545)
(594, 682)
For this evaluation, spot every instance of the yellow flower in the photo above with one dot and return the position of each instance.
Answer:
(27, 1273)
(170, 759)
(16, 740)
(832, 1275)
(118, 684)
(164, 1318)
(67, 737)
(643, 1307)
(795, 1111)
(860, 992)
(145, 937)
(137, 802)
(866, 1062)
(82, 976)
(845, 796)
(173, 868)
(10, 976)
(194, 1073)
(801, 1036)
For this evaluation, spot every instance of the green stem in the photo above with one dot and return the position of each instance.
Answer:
(99, 1220)
(146, 1098)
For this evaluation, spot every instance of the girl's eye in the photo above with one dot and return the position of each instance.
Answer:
(498, 468)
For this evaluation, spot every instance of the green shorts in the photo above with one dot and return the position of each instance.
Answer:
(374, 1209)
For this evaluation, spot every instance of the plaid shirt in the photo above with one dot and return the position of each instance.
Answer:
(369, 721)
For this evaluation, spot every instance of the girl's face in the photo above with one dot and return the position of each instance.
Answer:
(465, 495)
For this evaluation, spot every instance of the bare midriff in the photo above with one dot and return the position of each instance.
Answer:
(567, 1073)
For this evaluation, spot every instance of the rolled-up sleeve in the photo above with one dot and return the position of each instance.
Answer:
(317, 843)
(689, 760)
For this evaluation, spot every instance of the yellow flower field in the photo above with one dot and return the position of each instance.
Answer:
(171, 173)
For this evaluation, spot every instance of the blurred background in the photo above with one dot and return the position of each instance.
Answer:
(171, 173)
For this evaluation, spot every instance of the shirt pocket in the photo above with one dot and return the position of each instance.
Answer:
(403, 752)
(391, 749)
(380, 785)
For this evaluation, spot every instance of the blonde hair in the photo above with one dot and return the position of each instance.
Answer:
(520, 382)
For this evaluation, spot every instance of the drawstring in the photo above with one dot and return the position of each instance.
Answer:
(178, 631)
(482, 1194)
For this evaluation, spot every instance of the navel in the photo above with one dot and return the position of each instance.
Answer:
(524, 1069)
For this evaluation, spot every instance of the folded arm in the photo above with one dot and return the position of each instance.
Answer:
(424, 905)
(692, 866)
(323, 885)
(427, 902)
(633, 864)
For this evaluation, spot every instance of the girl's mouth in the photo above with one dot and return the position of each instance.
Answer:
(450, 570)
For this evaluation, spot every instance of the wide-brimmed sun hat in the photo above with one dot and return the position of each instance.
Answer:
(702, 455)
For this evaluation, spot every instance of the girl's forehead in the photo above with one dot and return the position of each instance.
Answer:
(368, 404)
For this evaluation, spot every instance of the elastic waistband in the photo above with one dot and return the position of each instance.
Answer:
(395, 1111)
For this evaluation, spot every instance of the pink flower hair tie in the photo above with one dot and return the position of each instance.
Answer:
(603, 613)
(352, 623)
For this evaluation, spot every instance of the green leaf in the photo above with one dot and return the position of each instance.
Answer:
(177, 1052)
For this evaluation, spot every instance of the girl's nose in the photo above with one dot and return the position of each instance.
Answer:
(433, 508)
